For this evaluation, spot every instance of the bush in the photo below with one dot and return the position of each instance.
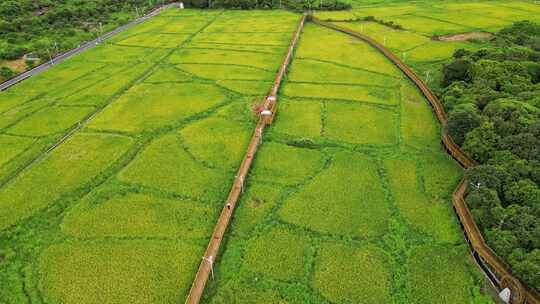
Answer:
(6, 73)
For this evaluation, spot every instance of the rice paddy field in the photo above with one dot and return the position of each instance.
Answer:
(151, 127)
(348, 198)
(115, 164)
(423, 20)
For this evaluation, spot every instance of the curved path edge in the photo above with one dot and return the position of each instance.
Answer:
(496, 269)
(212, 251)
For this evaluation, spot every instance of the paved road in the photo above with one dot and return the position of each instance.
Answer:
(84, 46)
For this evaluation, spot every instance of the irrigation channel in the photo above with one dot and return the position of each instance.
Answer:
(495, 269)
(265, 118)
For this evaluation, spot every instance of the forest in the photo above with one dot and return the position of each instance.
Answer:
(493, 99)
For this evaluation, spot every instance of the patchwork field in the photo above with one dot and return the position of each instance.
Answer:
(420, 21)
(149, 128)
(348, 196)
(115, 164)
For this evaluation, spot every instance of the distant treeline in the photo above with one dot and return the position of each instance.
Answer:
(493, 99)
(297, 5)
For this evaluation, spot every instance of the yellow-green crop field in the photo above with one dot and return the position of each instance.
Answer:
(152, 125)
(115, 164)
(422, 20)
(348, 201)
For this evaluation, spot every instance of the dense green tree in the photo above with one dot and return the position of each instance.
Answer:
(457, 70)
(482, 142)
(463, 119)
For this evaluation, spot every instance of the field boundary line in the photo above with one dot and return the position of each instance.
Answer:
(81, 48)
(206, 266)
(495, 268)
(81, 124)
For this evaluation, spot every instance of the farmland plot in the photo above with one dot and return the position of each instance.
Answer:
(346, 193)
(157, 120)
(425, 19)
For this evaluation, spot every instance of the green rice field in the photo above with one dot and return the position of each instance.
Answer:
(115, 164)
(349, 195)
(424, 19)
(152, 125)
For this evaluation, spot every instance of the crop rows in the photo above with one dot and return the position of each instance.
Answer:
(337, 210)
(151, 126)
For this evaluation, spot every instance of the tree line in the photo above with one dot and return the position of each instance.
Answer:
(493, 99)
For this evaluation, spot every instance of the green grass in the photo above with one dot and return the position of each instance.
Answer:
(165, 165)
(125, 218)
(153, 40)
(217, 142)
(11, 146)
(247, 87)
(255, 22)
(256, 205)
(153, 106)
(117, 271)
(270, 49)
(431, 216)
(108, 82)
(50, 120)
(418, 125)
(345, 274)
(394, 39)
(223, 72)
(67, 168)
(437, 50)
(279, 254)
(450, 283)
(324, 44)
(136, 215)
(376, 95)
(64, 73)
(258, 60)
(328, 204)
(119, 54)
(167, 73)
(310, 70)
(278, 163)
(360, 124)
(9, 100)
(299, 118)
(270, 38)
(428, 26)
(441, 175)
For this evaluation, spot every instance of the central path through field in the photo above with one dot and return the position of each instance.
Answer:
(348, 200)
(266, 116)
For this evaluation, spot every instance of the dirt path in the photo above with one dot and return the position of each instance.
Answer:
(465, 36)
